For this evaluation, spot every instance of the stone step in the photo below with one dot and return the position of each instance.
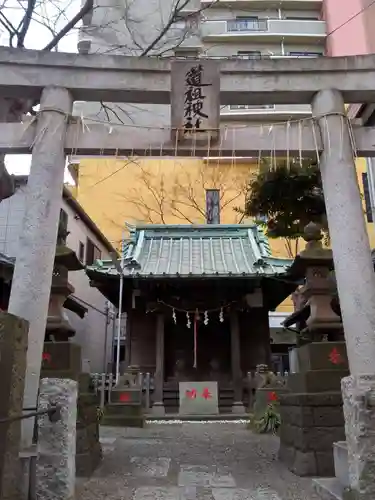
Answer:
(206, 418)
(122, 421)
(328, 488)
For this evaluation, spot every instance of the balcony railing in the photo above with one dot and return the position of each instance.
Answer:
(235, 25)
(263, 28)
(251, 106)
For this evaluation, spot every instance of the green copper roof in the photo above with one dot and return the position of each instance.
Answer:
(195, 251)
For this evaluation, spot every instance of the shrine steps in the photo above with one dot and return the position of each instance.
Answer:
(170, 417)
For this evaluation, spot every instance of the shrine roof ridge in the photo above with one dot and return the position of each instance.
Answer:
(207, 250)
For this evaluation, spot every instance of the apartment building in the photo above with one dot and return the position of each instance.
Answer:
(350, 32)
(245, 29)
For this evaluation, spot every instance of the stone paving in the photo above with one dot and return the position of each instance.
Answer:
(191, 461)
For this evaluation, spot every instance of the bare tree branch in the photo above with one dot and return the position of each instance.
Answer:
(89, 4)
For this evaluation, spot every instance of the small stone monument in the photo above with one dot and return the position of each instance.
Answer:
(62, 358)
(55, 465)
(125, 406)
(311, 413)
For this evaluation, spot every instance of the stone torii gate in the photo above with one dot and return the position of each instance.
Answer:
(327, 83)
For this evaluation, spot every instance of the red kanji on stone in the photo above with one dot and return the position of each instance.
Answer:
(191, 394)
(46, 357)
(335, 357)
(206, 394)
(272, 397)
(124, 397)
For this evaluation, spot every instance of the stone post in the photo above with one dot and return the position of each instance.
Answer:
(356, 287)
(55, 466)
(13, 347)
(350, 244)
(158, 406)
(238, 406)
(32, 277)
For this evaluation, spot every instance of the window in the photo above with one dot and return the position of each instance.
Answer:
(305, 54)
(249, 54)
(190, 53)
(63, 232)
(92, 252)
(247, 24)
(81, 251)
(301, 18)
(212, 206)
(251, 106)
(366, 193)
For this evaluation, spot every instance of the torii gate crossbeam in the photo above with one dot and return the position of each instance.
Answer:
(93, 139)
(24, 74)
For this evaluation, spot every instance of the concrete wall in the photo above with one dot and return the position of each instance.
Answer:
(91, 329)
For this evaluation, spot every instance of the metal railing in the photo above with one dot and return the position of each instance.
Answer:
(28, 457)
(235, 25)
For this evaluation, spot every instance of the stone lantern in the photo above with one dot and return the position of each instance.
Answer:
(316, 316)
(58, 324)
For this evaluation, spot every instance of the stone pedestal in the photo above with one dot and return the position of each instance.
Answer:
(158, 406)
(13, 347)
(63, 360)
(311, 414)
(55, 466)
(88, 448)
(359, 410)
(125, 406)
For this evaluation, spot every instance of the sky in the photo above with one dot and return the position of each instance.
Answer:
(38, 36)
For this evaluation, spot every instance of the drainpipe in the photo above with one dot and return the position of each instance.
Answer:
(107, 320)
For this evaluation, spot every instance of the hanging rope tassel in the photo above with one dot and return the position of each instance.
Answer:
(195, 341)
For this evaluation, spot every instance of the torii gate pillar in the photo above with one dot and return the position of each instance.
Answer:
(32, 277)
(356, 286)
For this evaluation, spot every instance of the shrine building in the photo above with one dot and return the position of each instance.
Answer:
(197, 299)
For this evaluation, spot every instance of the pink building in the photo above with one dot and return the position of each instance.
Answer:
(350, 27)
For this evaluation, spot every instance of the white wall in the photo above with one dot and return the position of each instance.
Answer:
(90, 331)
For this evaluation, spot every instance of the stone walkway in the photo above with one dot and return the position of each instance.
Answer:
(191, 461)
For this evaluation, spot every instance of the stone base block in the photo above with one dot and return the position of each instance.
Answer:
(310, 424)
(86, 463)
(158, 409)
(359, 410)
(307, 463)
(340, 456)
(328, 488)
(238, 408)
(62, 359)
(123, 421)
(316, 381)
(317, 356)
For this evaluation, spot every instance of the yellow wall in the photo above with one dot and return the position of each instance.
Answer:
(115, 191)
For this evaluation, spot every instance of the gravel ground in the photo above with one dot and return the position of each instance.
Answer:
(191, 461)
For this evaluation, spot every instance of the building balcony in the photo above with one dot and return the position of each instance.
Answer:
(265, 113)
(260, 4)
(263, 30)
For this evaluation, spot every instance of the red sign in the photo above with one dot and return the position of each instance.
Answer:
(124, 397)
(206, 394)
(191, 394)
(46, 357)
(335, 357)
(272, 397)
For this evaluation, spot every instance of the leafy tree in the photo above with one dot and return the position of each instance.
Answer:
(284, 198)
